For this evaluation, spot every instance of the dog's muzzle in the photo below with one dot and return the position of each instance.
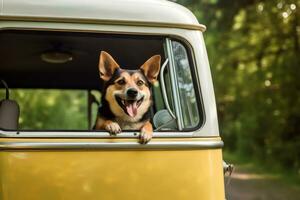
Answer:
(131, 102)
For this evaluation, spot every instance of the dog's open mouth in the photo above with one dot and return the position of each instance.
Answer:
(130, 107)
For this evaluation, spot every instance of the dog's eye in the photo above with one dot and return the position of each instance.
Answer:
(140, 83)
(121, 82)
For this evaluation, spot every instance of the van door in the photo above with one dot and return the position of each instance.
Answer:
(175, 164)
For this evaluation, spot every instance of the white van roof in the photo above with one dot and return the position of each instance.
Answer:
(159, 13)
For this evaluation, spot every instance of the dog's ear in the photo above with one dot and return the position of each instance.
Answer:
(151, 68)
(107, 66)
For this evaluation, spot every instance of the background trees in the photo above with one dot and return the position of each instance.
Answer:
(254, 54)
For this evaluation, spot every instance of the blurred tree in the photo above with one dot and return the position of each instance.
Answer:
(51, 109)
(255, 58)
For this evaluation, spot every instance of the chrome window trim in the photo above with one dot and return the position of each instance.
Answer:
(88, 134)
(175, 92)
(154, 145)
(163, 89)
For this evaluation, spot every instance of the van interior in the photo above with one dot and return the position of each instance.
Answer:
(58, 73)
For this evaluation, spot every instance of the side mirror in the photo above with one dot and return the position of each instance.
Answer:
(163, 120)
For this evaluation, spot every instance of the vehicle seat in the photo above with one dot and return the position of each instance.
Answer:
(9, 112)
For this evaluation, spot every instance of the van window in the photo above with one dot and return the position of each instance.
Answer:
(181, 87)
(186, 90)
(51, 109)
(55, 93)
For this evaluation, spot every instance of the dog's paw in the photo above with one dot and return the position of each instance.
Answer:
(145, 136)
(113, 128)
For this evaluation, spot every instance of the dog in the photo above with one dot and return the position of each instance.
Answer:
(126, 97)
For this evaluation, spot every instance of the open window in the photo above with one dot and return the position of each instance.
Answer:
(54, 77)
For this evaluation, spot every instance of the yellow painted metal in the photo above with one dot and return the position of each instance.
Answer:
(110, 174)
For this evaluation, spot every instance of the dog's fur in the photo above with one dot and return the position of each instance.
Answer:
(126, 96)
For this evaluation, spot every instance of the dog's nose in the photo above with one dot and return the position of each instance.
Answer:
(132, 93)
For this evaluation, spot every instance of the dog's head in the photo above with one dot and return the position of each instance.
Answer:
(128, 91)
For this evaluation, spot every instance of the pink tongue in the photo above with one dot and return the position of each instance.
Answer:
(132, 109)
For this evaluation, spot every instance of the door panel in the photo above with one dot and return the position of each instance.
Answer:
(83, 169)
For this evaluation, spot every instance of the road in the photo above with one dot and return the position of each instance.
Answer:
(244, 185)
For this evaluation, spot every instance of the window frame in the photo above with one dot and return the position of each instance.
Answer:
(187, 132)
(175, 89)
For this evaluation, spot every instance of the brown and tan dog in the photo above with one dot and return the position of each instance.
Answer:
(126, 96)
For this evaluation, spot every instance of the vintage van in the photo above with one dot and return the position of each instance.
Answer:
(55, 45)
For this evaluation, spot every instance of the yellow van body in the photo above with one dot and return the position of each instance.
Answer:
(71, 166)
(179, 173)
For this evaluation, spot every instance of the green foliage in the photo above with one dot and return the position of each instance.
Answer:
(255, 58)
(51, 109)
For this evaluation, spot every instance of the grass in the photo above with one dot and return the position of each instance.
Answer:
(258, 167)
